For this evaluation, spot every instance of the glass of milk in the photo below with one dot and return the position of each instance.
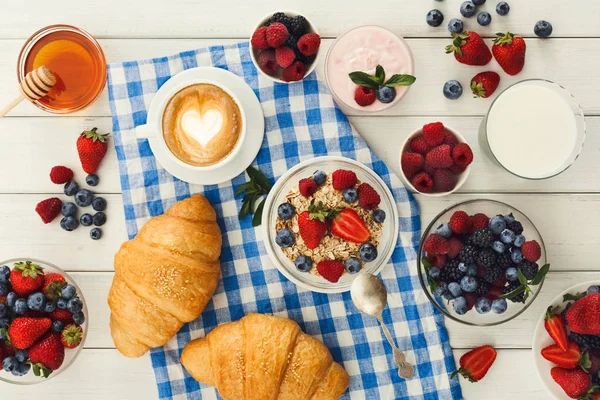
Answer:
(535, 129)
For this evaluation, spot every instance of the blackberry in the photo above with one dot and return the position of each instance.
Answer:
(529, 269)
(515, 226)
(292, 43)
(588, 342)
(492, 274)
(487, 258)
(468, 254)
(280, 17)
(503, 260)
(297, 26)
(307, 60)
(451, 273)
(482, 238)
(512, 286)
(483, 288)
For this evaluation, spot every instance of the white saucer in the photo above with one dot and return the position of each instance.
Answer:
(255, 128)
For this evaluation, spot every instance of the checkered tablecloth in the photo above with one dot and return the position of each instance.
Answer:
(301, 122)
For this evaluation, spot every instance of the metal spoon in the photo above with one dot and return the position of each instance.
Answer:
(370, 297)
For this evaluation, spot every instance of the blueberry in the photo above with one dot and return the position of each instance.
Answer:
(511, 274)
(468, 9)
(11, 298)
(285, 211)
(462, 267)
(99, 218)
(36, 301)
(497, 224)
(441, 289)
(3, 289)
(319, 177)
(92, 180)
(3, 310)
(50, 307)
(472, 270)
(4, 323)
(99, 204)
(484, 18)
(350, 195)
(84, 198)
(478, 2)
(22, 355)
(379, 216)
(61, 303)
(69, 223)
(285, 238)
(434, 272)
(68, 292)
(455, 25)
(79, 318)
(455, 289)
(21, 370)
(498, 247)
(434, 18)
(499, 306)
(516, 256)
(96, 234)
(444, 231)
(20, 306)
(303, 263)
(452, 90)
(367, 252)
(502, 8)
(75, 305)
(543, 29)
(519, 240)
(507, 236)
(460, 305)
(86, 220)
(4, 273)
(591, 289)
(386, 94)
(483, 305)
(71, 188)
(448, 296)
(469, 284)
(57, 326)
(68, 209)
(9, 364)
(509, 219)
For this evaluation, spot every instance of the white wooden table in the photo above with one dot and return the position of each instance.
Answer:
(566, 209)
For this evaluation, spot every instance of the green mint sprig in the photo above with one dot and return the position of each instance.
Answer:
(375, 81)
(258, 187)
(524, 284)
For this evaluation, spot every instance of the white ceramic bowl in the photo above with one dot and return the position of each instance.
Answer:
(541, 339)
(406, 147)
(254, 52)
(290, 179)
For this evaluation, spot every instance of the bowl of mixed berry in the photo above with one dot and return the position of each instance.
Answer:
(284, 47)
(566, 344)
(482, 262)
(43, 321)
(328, 219)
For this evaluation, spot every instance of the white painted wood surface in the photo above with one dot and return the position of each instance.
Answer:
(566, 209)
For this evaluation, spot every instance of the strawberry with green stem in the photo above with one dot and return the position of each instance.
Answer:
(556, 328)
(484, 84)
(313, 224)
(92, 147)
(475, 364)
(26, 278)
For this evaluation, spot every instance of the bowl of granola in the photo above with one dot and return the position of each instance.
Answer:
(328, 219)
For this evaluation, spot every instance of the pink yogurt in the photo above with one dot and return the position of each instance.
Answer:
(362, 49)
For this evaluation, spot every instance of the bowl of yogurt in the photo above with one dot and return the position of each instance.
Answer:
(535, 129)
(363, 48)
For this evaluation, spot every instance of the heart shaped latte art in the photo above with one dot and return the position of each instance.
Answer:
(202, 128)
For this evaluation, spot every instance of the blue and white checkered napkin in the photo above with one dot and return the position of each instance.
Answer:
(301, 122)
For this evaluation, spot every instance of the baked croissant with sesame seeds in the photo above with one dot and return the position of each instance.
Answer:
(262, 357)
(165, 276)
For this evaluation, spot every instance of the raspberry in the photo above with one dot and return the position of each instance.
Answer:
(439, 157)
(367, 196)
(284, 56)
(419, 145)
(455, 247)
(479, 221)
(430, 171)
(259, 38)
(450, 139)
(294, 72)
(460, 222)
(412, 163)
(60, 175)
(307, 187)
(343, 179)
(437, 260)
(531, 250)
(330, 270)
(444, 180)
(364, 96)
(457, 169)
(309, 44)
(48, 209)
(277, 34)
(434, 133)
(267, 61)
(436, 244)
(462, 154)
(422, 182)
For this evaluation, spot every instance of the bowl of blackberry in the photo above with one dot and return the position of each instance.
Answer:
(43, 321)
(482, 262)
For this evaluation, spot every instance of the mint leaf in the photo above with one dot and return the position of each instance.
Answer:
(426, 263)
(514, 293)
(259, 178)
(257, 218)
(574, 297)
(522, 278)
(363, 79)
(539, 277)
(400, 80)
(380, 74)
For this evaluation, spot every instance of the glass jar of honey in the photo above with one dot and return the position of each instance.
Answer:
(75, 58)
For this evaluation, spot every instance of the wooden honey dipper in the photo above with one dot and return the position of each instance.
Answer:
(36, 84)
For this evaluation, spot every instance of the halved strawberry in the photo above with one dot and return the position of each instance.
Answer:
(348, 225)
(572, 358)
(476, 363)
(555, 326)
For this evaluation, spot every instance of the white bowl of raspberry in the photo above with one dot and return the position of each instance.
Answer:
(287, 54)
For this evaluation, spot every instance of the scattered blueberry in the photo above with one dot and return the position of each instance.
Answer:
(36, 301)
(4, 273)
(502, 8)
(498, 247)
(99, 218)
(22, 355)
(92, 180)
(57, 326)
(68, 209)
(353, 265)
(50, 307)
(469, 284)
(84, 198)
(462, 267)
(453, 89)
(483, 305)
(593, 289)
(497, 224)
(68, 292)
(468, 9)
(11, 298)
(434, 18)
(79, 318)
(543, 29)
(434, 272)
(484, 18)
(75, 305)
(96, 234)
(478, 2)
(99, 204)
(386, 94)
(368, 252)
(21, 370)
(519, 240)
(516, 256)
(86, 220)
(20, 306)
(303, 263)
(61, 303)
(379, 216)
(350, 195)
(499, 306)
(71, 188)
(285, 238)
(507, 236)
(3, 289)
(472, 270)
(319, 177)
(511, 274)
(9, 364)
(455, 25)
(448, 296)
(441, 289)
(455, 289)
(69, 223)
(460, 305)
(3, 310)
(509, 219)
(444, 231)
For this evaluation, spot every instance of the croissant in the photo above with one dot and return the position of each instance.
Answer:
(264, 358)
(164, 276)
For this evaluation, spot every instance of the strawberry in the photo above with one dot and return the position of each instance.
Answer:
(343, 179)
(259, 38)
(294, 72)
(497, 289)
(60, 174)
(436, 244)
(26, 278)
(460, 222)
(450, 139)
(307, 187)
(509, 51)
(53, 284)
(434, 133)
(462, 155)
(47, 355)
(575, 382)
(411, 163)
(92, 147)
(62, 315)
(469, 48)
(471, 300)
(476, 363)
(444, 180)
(479, 221)
(313, 224)
(364, 96)
(309, 44)
(71, 336)
(276, 34)
(584, 315)
(437, 260)
(330, 270)
(25, 331)
(48, 209)
(439, 157)
(418, 144)
(284, 56)
(267, 61)
(569, 359)
(423, 182)
(456, 246)
(484, 84)
(367, 196)
(348, 225)
(531, 250)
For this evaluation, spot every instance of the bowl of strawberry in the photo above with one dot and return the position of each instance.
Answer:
(566, 343)
(285, 46)
(435, 160)
(482, 262)
(43, 321)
